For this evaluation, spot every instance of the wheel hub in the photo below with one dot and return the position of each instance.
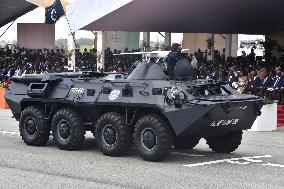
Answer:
(64, 129)
(109, 135)
(149, 139)
(30, 126)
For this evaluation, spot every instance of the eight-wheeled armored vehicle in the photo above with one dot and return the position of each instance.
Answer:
(146, 109)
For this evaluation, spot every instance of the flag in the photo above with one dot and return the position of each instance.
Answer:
(54, 12)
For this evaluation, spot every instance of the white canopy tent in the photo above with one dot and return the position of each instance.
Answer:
(83, 12)
(80, 13)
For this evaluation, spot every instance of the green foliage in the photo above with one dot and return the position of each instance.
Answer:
(145, 46)
(4, 85)
(82, 43)
(69, 54)
(269, 45)
(209, 43)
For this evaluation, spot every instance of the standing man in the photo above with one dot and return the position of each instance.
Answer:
(173, 57)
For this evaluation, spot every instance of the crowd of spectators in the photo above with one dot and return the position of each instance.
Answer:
(117, 61)
(248, 73)
(21, 61)
(86, 61)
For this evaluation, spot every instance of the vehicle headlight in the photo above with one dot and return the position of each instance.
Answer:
(174, 92)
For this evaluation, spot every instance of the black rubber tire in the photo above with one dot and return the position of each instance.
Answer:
(94, 133)
(77, 132)
(164, 138)
(225, 144)
(42, 126)
(123, 139)
(186, 142)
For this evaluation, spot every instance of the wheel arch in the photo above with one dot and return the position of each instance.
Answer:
(50, 108)
(134, 113)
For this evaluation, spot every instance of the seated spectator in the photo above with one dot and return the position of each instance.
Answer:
(231, 78)
(242, 83)
(266, 82)
(255, 83)
(277, 90)
(22, 61)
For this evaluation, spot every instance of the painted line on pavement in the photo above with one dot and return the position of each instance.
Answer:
(186, 154)
(273, 165)
(247, 160)
(9, 133)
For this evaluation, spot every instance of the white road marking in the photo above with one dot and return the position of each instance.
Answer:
(232, 160)
(247, 160)
(238, 162)
(186, 154)
(9, 133)
(273, 165)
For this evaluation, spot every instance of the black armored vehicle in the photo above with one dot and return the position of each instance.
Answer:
(146, 109)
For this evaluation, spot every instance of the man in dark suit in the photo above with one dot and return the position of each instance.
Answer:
(278, 87)
(255, 85)
(266, 82)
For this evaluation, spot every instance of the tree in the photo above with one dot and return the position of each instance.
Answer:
(269, 45)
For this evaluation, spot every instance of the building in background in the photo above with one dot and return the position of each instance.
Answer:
(36, 35)
(278, 47)
(122, 40)
(195, 41)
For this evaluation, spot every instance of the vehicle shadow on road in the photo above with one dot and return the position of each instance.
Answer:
(196, 155)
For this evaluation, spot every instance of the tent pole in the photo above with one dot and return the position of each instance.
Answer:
(228, 45)
(72, 47)
(213, 46)
(168, 40)
(95, 38)
(210, 53)
(146, 41)
(104, 40)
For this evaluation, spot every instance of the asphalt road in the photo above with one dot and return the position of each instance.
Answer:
(258, 163)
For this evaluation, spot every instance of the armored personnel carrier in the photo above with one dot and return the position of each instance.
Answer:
(146, 109)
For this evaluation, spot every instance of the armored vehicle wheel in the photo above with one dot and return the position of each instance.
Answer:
(227, 143)
(113, 135)
(34, 128)
(153, 138)
(186, 142)
(94, 133)
(67, 129)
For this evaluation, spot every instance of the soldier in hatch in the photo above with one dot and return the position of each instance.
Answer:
(173, 57)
